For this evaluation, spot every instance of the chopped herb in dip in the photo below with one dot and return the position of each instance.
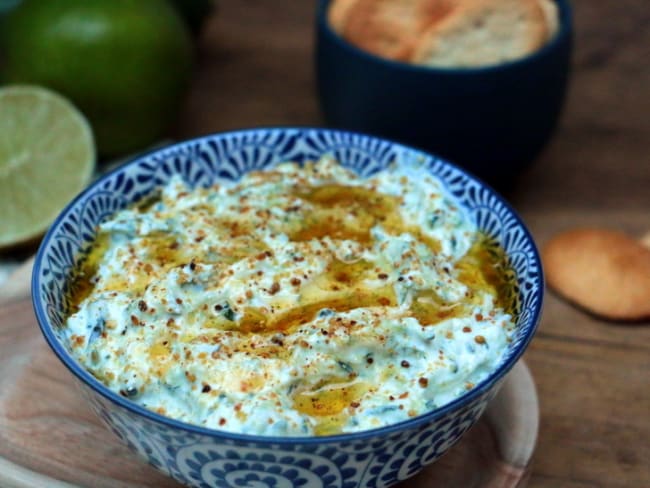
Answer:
(296, 301)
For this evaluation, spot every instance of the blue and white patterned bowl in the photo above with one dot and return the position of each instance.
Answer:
(203, 457)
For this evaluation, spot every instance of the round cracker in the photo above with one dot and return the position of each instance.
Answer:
(338, 14)
(391, 28)
(483, 32)
(605, 272)
(551, 16)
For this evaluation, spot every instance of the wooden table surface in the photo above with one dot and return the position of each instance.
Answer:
(256, 69)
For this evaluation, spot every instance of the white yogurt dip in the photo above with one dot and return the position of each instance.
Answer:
(296, 301)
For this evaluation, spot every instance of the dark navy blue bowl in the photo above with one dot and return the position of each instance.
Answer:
(491, 120)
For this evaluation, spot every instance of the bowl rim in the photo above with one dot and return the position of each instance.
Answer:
(563, 35)
(99, 388)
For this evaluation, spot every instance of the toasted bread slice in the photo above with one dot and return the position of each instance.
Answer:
(552, 16)
(391, 28)
(483, 32)
(338, 14)
(605, 272)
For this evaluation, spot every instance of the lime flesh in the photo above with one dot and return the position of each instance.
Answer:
(47, 156)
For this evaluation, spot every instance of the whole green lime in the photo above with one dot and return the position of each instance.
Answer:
(125, 63)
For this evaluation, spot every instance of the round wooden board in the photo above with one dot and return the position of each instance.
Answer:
(50, 438)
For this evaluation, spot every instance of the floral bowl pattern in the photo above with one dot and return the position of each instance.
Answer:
(201, 457)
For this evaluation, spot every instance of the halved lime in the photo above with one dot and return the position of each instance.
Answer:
(47, 155)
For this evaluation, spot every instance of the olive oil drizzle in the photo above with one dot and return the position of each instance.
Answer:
(83, 278)
(331, 401)
(339, 212)
(486, 267)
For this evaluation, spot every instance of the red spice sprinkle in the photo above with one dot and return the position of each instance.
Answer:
(384, 301)
(423, 382)
(355, 404)
(405, 364)
(275, 287)
(295, 281)
(222, 421)
(382, 276)
(135, 320)
(479, 339)
(391, 398)
(404, 395)
(369, 360)
(467, 329)
(479, 317)
(179, 301)
(142, 306)
(206, 388)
